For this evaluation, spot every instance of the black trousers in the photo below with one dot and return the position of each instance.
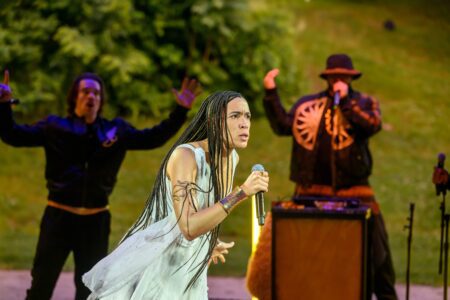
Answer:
(381, 276)
(62, 232)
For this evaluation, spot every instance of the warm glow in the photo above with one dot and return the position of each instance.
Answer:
(255, 227)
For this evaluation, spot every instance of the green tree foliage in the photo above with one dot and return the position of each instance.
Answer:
(141, 48)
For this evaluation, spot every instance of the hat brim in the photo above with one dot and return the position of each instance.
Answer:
(340, 71)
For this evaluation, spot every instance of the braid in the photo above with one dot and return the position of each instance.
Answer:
(209, 123)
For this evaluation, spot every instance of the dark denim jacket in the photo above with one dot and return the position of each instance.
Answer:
(82, 161)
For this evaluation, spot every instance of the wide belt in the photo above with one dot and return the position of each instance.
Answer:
(78, 210)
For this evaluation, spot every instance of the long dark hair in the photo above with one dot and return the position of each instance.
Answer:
(210, 123)
(71, 98)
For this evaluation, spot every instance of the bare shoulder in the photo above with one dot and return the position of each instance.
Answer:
(182, 163)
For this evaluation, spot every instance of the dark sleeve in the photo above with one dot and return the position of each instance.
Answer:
(156, 136)
(19, 135)
(279, 119)
(363, 113)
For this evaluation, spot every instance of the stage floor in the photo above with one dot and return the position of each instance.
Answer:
(13, 285)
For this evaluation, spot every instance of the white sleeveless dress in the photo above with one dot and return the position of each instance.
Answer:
(157, 262)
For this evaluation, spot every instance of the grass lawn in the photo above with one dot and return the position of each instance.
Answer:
(407, 69)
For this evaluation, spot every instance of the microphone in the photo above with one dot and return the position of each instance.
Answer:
(441, 188)
(259, 199)
(337, 98)
(14, 101)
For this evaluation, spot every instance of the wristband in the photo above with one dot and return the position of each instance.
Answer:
(231, 200)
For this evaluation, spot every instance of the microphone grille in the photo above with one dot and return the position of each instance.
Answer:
(257, 167)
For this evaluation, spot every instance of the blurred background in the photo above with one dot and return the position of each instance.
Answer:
(143, 48)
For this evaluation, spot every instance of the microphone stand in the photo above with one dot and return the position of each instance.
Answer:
(334, 139)
(444, 236)
(408, 259)
(447, 218)
(442, 208)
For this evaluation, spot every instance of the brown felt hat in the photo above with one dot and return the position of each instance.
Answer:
(340, 64)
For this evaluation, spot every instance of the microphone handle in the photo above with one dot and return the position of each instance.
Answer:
(337, 98)
(260, 214)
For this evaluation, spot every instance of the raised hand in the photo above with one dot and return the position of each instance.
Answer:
(5, 90)
(269, 79)
(190, 88)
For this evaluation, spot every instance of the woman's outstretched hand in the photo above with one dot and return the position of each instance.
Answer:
(219, 252)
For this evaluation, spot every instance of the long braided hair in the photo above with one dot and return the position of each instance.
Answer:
(209, 123)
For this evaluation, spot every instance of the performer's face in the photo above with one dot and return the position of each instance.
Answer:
(88, 99)
(238, 122)
(333, 78)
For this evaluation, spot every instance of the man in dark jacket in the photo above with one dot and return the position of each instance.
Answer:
(330, 153)
(83, 155)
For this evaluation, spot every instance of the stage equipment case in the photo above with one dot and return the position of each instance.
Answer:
(319, 252)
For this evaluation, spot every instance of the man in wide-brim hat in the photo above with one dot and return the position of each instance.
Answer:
(339, 73)
(330, 158)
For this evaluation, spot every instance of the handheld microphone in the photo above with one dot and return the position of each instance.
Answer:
(14, 101)
(441, 188)
(337, 98)
(259, 199)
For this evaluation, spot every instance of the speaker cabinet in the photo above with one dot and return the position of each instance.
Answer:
(319, 254)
